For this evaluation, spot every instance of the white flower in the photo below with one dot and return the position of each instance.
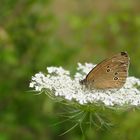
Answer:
(61, 84)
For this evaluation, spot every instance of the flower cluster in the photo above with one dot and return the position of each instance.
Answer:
(63, 85)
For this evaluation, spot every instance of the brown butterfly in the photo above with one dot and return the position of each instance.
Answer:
(111, 73)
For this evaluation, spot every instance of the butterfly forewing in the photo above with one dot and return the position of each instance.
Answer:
(110, 73)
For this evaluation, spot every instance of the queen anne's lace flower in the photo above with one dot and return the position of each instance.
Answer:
(61, 84)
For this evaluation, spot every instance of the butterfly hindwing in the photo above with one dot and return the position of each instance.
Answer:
(110, 73)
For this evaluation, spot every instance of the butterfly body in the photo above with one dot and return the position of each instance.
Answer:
(111, 73)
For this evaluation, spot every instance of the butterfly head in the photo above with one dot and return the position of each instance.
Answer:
(124, 54)
(83, 82)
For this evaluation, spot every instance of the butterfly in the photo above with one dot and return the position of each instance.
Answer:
(111, 73)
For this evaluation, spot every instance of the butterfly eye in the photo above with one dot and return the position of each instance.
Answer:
(108, 70)
(116, 78)
(116, 73)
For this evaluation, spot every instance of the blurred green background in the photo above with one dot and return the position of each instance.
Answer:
(35, 34)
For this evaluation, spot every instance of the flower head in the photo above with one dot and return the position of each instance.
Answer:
(61, 84)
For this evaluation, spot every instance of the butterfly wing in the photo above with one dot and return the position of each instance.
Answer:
(110, 73)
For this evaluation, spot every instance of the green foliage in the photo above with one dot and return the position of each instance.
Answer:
(40, 33)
